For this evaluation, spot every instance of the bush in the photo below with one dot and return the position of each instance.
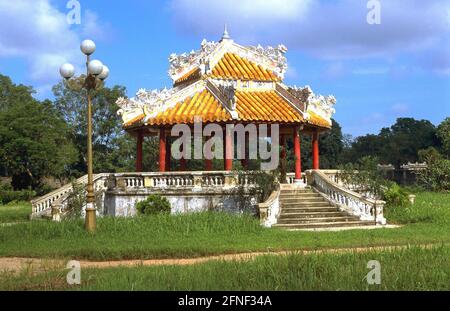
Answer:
(7, 194)
(154, 204)
(396, 196)
(365, 174)
(437, 175)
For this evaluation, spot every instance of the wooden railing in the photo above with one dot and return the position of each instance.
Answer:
(352, 202)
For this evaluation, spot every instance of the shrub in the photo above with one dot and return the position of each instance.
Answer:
(437, 175)
(154, 204)
(7, 194)
(394, 195)
(365, 174)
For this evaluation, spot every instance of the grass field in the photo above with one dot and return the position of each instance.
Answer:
(15, 212)
(408, 269)
(193, 235)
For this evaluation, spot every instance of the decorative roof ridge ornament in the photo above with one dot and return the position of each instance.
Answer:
(226, 95)
(152, 102)
(226, 35)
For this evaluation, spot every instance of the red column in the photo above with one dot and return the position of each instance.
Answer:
(162, 150)
(297, 152)
(168, 153)
(139, 141)
(315, 150)
(228, 156)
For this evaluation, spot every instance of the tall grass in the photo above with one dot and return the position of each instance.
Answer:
(199, 234)
(15, 212)
(430, 207)
(407, 269)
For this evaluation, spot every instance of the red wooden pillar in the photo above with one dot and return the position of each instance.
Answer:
(315, 149)
(228, 154)
(139, 141)
(162, 150)
(297, 153)
(168, 154)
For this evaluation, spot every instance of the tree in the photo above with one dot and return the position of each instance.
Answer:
(34, 141)
(443, 133)
(397, 144)
(113, 149)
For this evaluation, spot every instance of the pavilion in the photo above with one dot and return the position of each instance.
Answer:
(224, 82)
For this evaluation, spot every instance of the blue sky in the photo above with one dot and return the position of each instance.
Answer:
(398, 68)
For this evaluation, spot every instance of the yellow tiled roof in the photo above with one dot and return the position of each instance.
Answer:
(315, 119)
(191, 74)
(134, 121)
(202, 104)
(265, 106)
(262, 106)
(232, 66)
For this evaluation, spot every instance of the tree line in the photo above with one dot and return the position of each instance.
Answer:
(47, 138)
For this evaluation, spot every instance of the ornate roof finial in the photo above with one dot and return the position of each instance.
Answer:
(225, 35)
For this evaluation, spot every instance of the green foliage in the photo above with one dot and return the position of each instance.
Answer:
(443, 132)
(15, 211)
(396, 145)
(395, 196)
(76, 200)
(113, 149)
(265, 181)
(33, 138)
(8, 194)
(429, 207)
(154, 204)
(365, 174)
(437, 175)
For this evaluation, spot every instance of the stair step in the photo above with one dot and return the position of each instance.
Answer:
(305, 194)
(325, 225)
(306, 204)
(307, 209)
(330, 220)
(302, 200)
(285, 215)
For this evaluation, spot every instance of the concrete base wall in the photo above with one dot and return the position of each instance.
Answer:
(118, 203)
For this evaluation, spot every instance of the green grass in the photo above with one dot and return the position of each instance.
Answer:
(407, 269)
(15, 212)
(200, 234)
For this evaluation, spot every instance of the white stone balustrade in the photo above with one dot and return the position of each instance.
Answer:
(348, 200)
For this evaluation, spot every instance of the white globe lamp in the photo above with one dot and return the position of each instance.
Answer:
(67, 71)
(95, 67)
(87, 47)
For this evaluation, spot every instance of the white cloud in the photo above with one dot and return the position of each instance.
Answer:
(335, 30)
(38, 32)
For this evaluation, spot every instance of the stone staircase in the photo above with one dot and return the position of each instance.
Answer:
(304, 208)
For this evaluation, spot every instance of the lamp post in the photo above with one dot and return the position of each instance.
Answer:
(96, 73)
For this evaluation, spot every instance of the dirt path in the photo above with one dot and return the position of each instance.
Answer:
(35, 265)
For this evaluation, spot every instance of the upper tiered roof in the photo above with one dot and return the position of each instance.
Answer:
(223, 82)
